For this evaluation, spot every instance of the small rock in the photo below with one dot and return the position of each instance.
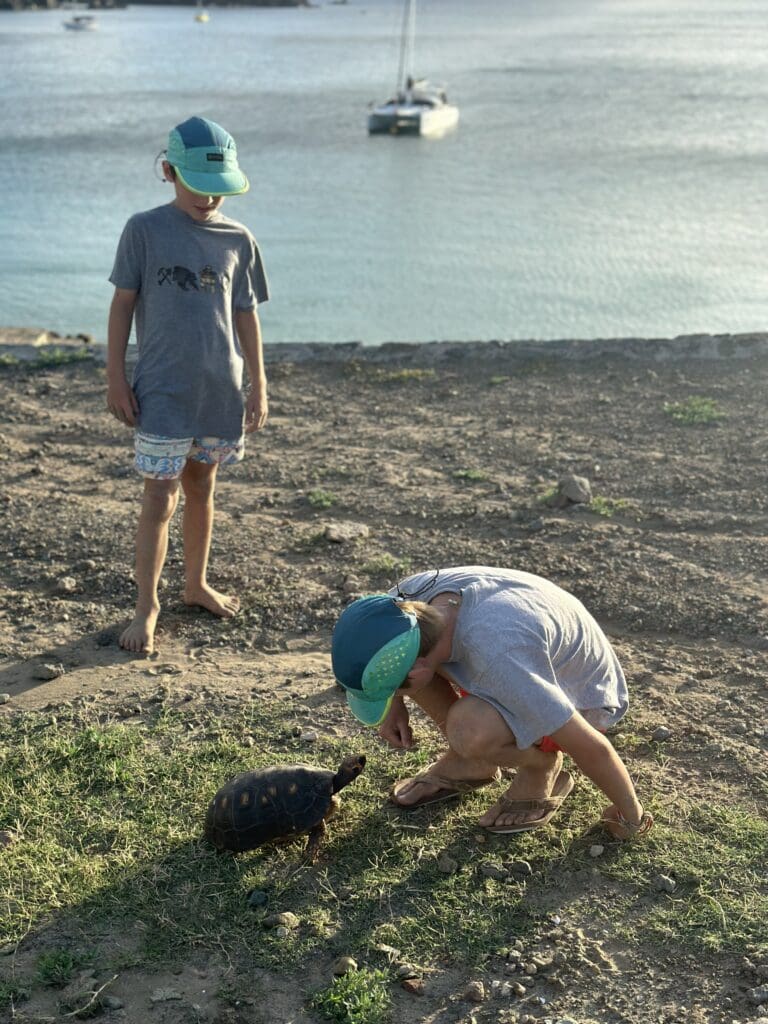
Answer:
(759, 995)
(111, 1003)
(341, 533)
(310, 736)
(284, 920)
(407, 971)
(447, 865)
(4, 698)
(663, 883)
(531, 968)
(520, 868)
(474, 992)
(257, 898)
(413, 985)
(48, 672)
(6, 836)
(660, 734)
(66, 585)
(575, 490)
(505, 990)
(343, 965)
(518, 989)
(596, 850)
(492, 870)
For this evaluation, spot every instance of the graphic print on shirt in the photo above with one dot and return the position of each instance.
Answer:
(206, 279)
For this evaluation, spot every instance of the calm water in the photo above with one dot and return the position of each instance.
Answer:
(608, 176)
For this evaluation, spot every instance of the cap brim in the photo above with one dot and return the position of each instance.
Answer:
(369, 712)
(226, 183)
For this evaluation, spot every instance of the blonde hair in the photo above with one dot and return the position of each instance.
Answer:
(431, 624)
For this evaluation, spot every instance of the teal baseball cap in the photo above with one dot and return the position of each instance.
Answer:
(205, 158)
(373, 648)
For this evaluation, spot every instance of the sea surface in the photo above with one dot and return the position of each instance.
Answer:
(608, 177)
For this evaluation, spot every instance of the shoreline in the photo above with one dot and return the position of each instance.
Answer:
(26, 343)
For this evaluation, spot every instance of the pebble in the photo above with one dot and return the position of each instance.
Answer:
(6, 836)
(257, 898)
(413, 985)
(343, 965)
(492, 870)
(66, 585)
(447, 865)
(48, 672)
(4, 698)
(285, 920)
(660, 734)
(310, 736)
(474, 992)
(407, 971)
(596, 850)
(521, 868)
(663, 883)
(759, 995)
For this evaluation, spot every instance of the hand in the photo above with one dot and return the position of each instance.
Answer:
(620, 827)
(396, 728)
(121, 401)
(256, 410)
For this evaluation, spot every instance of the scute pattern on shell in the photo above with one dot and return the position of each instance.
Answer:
(272, 803)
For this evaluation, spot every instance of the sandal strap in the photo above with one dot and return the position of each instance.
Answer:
(430, 778)
(550, 803)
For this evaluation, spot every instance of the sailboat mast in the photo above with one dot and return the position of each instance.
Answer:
(407, 38)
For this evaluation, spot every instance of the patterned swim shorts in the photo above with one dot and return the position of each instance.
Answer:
(163, 458)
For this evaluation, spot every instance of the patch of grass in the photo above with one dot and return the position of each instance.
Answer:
(386, 565)
(608, 507)
(57, 967)
(694, 410)
(548, 496)
(50, 357)
(473, 475)
(498, 379)
(11, 993)
(360, 997)
(401, 376)
(109, 820)
(320, 499)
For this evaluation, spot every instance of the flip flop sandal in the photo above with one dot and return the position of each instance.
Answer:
(550, 806)
(448, 789)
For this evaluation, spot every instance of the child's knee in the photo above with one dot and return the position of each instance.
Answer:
(467, 728)
(198, 481)
(160, 498)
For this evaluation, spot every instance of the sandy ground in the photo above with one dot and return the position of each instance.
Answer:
(428, 455)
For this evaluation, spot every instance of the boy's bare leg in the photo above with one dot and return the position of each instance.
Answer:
(479, 741)
(198, 481)
(157, 508)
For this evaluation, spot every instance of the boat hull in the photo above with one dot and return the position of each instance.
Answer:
(411, 119)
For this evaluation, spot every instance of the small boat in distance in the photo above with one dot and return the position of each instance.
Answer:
(82, 23)
(417, 108)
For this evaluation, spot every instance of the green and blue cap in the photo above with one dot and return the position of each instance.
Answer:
(205, 158)
(373, 648)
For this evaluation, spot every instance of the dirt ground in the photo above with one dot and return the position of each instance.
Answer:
(433, 455)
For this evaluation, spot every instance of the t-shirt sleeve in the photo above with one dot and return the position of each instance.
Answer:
(129, 258)
(520, 682)
(251, 287)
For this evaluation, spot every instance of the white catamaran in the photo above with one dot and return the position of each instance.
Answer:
(417, 108)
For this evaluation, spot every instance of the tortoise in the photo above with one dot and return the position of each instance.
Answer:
(277, 803)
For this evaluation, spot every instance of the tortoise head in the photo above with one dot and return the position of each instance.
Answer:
(348, 771)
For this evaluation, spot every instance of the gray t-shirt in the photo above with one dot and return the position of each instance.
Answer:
(529, 648)
(191, 276)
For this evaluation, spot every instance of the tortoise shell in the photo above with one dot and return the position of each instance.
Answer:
(275, 803)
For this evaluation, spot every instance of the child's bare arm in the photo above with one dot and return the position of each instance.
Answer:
(596, 757)
(121, 400)
(249, 335)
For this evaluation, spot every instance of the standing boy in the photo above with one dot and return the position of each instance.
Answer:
(537, 674)
(194, 280)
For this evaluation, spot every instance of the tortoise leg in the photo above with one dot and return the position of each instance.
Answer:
(314, 841)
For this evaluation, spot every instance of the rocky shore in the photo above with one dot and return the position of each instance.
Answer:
(631, 472)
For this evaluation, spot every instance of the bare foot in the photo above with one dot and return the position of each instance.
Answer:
(218, 604)
(527, 784)
(139, 637)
